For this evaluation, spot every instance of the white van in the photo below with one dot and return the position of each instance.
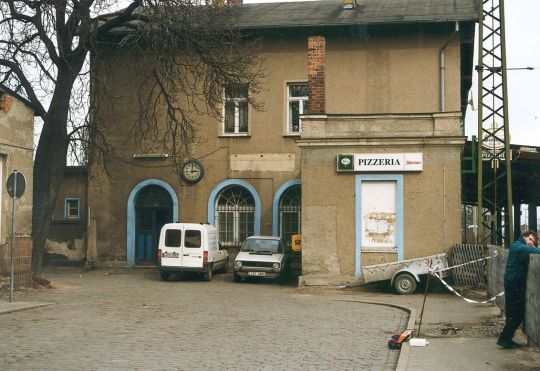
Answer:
(190, 247)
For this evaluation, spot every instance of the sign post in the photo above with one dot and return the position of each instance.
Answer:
(16, 185)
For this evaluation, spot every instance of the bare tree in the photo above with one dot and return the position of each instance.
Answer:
(190, 50)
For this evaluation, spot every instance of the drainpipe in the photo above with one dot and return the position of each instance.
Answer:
(442, 67)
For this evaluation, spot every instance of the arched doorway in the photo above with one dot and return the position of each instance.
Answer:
(287, 210)
(153, 208)
(290, 213)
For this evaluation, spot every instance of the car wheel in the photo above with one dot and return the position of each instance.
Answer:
(208, 273)
(237, 278)
(164, 276)
(405, 284)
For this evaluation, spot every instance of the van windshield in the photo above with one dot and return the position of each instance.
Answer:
(262, 246)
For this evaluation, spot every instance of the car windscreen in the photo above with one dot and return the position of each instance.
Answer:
(263, 246)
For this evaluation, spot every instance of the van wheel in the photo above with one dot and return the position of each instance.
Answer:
(225, 266)
(405, 284)
(164, 276)
(208, 273)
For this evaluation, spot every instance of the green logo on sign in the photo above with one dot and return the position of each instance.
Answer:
(345, 162)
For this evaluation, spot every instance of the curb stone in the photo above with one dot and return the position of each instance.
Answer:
(403, 358)
(6, 307)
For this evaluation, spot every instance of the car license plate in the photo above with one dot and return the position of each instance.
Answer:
(257, 274)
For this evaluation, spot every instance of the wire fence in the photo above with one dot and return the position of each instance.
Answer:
(470, 275)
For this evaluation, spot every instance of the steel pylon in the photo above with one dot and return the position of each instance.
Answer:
(495, 222)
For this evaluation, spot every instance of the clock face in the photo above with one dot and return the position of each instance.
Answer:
(192, 171)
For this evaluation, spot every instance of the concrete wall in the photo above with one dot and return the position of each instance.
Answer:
(496, 267)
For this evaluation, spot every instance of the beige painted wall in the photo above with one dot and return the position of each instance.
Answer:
(431, 198)
(383, 73)
(16, 153)
(391, 71)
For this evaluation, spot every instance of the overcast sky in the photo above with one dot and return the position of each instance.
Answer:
(522, 50)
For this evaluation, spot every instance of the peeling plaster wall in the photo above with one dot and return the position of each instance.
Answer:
(431, 198)
(73, 250)
(67, 237)
(320, 229)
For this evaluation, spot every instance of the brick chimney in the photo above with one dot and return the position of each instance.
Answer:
(316, 66)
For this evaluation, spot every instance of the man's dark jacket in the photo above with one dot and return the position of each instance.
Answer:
(518, 262)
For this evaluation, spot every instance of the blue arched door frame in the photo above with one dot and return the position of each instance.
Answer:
(275, 204)
(241, 183)
(131, 213)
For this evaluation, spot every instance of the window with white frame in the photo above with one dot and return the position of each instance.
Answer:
(236, 109)
(71, 211)
(297, 97)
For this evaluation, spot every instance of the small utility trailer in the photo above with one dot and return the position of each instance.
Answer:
(404, 275)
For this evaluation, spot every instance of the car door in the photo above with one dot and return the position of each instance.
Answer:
(221, 254)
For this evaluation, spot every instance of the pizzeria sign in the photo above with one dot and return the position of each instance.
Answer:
(379, 162)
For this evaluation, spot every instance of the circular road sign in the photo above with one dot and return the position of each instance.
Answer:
(21, 184)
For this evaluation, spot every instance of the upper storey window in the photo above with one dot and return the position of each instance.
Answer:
(236, 109)
(297, 96)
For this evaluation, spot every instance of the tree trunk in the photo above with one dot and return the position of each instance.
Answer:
(49, 167)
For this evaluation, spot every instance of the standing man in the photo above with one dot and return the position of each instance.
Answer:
(515, 278)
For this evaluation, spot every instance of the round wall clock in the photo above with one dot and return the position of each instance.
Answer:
(192, 171)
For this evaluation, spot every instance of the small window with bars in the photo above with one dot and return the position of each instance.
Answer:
(235, 214)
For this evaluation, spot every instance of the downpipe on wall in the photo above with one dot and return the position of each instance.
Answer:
(442, 67)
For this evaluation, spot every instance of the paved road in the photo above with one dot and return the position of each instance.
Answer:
(128, 319)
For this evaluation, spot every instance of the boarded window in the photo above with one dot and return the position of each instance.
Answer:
(379, 215)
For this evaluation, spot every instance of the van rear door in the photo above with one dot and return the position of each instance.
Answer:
(192, 256)
(171, 247)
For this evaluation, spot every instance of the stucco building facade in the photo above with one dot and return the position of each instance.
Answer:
(16, 154)
(343, 82)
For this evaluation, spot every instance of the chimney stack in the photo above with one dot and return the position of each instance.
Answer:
(316, 67)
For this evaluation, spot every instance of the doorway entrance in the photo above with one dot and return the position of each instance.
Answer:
(153, 209)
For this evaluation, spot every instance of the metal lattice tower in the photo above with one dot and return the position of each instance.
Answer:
(494, 222)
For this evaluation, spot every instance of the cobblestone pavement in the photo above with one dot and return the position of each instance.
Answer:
(129, 319)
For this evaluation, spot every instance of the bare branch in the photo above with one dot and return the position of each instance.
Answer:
(36, 104)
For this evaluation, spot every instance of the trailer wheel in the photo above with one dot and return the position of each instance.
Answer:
(405, 284)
